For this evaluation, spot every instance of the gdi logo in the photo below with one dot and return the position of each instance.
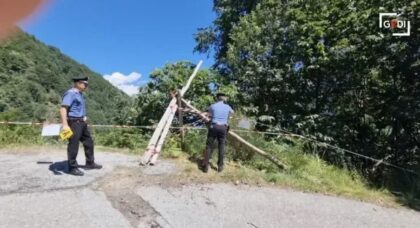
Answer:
(394, 23)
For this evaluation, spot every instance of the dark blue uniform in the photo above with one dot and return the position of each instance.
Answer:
(75, 101)
(218, 130)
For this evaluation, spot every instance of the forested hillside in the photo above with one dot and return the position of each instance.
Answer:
(33, 76)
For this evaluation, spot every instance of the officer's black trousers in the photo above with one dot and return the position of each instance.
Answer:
(80, 133)
(216, 132)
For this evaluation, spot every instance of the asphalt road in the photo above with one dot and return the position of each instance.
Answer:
(35, 191)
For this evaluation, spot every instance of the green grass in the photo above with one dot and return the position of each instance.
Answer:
(313, 177)
(307, 172)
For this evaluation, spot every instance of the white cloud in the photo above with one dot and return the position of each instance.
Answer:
(128, 83)
(129, 89)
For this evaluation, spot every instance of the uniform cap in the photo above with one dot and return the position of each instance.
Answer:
(80, 78)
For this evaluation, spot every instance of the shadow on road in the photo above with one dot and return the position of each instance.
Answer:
(199, 162)
(59, 168)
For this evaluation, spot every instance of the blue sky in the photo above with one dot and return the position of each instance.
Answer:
(123, 39)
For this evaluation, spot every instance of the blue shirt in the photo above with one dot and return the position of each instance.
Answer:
(220, 112)
(75, 100)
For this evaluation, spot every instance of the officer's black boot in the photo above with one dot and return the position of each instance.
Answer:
(220, 169)
(76, 172)
(93, 166)
(205, 168)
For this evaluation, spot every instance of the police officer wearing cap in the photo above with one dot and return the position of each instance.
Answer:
(73, 116)
(219, 115)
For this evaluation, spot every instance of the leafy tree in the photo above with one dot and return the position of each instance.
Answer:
(328, 71)
(155, 96)
(217, 36)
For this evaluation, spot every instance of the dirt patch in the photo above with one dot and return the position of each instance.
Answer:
(120, 187)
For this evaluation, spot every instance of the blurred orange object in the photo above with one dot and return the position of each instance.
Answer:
(13, 11)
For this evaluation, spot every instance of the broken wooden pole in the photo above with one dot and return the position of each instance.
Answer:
(253, 148)
(162, 138)
(258, 151)
(195, 110)
(150, 149)
(181, 120)
(155, 144)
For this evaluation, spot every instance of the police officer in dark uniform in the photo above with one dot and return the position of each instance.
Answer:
(219, 115)
(73, 116)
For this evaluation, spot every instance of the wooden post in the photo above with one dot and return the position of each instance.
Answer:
(187, 86)
(258, 151)
(155, 137)
(181, 119)
(195, 110)
(162, 138)
(155, 144)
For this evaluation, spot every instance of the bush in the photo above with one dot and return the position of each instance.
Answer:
(130, 138)
(194, 143)
(22, 135)
(31, 135)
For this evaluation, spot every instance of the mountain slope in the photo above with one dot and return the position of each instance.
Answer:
(33, 76)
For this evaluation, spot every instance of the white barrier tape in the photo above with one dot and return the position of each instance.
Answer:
(378, 161)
